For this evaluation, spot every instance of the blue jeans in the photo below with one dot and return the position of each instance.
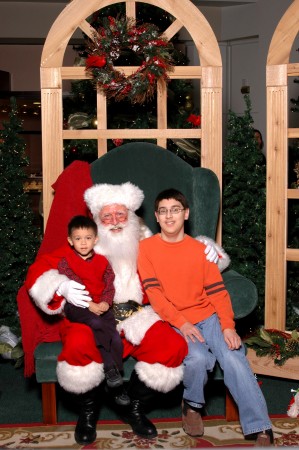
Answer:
(238, 376)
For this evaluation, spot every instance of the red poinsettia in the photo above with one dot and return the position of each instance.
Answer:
(194, 120)
(95, 61)
(117, 142)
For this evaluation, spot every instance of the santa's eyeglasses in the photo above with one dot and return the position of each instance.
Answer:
(119, 215)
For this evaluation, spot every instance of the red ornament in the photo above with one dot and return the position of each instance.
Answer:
(111, 21)
(117, 142)
(95, 61)
(151, 77)
(194, 120)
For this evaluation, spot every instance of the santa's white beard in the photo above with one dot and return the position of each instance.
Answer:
(121, 250)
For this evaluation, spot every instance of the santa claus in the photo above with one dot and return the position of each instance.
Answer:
(157, 348)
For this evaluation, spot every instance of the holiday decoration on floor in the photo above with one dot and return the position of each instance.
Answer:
(293, 408)
(277, 344)
(145, 40)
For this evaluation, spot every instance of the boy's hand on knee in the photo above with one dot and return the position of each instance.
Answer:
(95, 308)
(103, 306)
(189, 331)
(232, 339)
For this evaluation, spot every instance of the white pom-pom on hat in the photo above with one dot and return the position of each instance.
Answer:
(105, 194)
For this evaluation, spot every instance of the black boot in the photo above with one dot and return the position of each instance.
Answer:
(85, 431)
(139, 394)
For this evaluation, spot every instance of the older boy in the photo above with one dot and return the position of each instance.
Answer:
(188, 291)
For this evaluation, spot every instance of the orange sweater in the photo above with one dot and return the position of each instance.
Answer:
(181, 284)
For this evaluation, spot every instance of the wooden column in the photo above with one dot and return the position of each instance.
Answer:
(276, 212)
(211, 125)
(52, 123)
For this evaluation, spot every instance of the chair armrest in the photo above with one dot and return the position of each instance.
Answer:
(242, 291)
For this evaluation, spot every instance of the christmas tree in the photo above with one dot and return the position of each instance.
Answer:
(20, 237)
(244, 203)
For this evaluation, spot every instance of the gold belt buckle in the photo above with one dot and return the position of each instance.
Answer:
(123, 311)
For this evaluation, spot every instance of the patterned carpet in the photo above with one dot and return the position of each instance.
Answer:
(116, 435)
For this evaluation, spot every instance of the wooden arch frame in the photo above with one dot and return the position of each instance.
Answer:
(277, 254)
(53, 73)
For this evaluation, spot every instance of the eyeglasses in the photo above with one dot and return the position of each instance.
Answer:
(119, 215)
(172, 210)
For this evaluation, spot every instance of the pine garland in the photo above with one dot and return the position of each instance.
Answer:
(277, 344)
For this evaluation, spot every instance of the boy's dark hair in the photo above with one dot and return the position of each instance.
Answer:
(78, 222)
(171, 193)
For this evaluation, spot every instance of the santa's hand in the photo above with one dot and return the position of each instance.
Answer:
(74, 293)
(211, 252)
(215, 253)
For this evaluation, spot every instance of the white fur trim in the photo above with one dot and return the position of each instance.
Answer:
(145, 232)
(137, 325)
(127, 286)
(101, 195)
(159, 377)
(293, 411)
(224, 259)
(79, 379)
(43, 290)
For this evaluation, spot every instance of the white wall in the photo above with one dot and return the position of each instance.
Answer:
(27, 20)
(246, 33)
(23, 63)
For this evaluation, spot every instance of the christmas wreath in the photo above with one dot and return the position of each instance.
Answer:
(274, 343)
(110, 40)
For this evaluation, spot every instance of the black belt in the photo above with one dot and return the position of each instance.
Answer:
(124, 310)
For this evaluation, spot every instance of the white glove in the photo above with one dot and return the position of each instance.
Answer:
(215, 253)
(211, 252)
(74, 293)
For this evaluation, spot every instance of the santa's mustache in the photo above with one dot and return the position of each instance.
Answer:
(116, 227)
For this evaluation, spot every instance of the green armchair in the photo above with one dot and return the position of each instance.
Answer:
(153, 169)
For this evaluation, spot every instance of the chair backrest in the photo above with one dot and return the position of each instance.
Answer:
(154, 169)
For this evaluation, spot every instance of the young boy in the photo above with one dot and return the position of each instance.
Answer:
(188, 291)
(83, 265)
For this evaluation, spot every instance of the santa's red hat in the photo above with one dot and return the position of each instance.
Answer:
(101, 195)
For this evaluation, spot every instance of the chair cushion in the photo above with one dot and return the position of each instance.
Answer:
(45, 356)
(242, 291)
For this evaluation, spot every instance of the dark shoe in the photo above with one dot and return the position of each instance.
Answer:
(120, 396)
(113, 378)
(191, 420)
(264, 439)
(139, 422)
(86, 428)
